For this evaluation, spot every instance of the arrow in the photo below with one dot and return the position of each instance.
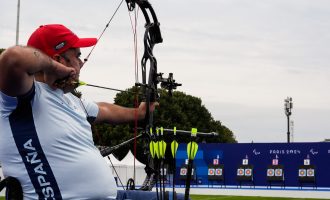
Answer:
(192, 149)
(174, 149)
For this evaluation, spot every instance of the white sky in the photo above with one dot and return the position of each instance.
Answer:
(242, 58)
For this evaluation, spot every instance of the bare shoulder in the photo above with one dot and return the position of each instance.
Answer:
(14, 79)
(8, 56)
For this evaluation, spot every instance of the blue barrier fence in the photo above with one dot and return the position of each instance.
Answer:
(260, 155)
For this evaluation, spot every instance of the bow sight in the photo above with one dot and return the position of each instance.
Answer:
(168, 83)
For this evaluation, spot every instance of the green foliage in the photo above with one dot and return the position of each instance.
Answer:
(2, 50)
(180, 110)
(184, 112)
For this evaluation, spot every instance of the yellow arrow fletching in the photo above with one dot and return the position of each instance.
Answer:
(81, 83)
(152, 150)
(162, 148)
(174, 148)
(152, 145)
(192, 149)
(156, 147)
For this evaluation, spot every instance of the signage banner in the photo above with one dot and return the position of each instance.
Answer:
(260, 155)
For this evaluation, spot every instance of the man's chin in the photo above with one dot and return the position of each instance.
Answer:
(70, 86)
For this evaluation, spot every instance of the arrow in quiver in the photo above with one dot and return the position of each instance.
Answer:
(192, 149)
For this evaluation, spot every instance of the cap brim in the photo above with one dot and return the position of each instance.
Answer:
(85, 42)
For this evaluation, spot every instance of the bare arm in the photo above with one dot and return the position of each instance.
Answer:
(19, 64)
(114, 114)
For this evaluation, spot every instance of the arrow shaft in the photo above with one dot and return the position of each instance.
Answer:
(199, 134)
(107, 88)
(187, 190)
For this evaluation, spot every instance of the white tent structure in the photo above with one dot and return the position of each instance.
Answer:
(111, 159)
(125, 169)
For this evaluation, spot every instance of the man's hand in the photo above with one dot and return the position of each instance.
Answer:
(143, 108)
(61, 76)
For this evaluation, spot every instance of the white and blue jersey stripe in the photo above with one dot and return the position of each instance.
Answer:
(46, 143)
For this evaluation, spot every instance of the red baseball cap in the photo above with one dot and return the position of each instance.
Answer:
(55, 39)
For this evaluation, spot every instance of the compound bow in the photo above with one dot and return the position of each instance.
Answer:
(152, 36)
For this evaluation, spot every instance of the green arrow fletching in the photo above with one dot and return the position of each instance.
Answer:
(152, 150)
(174, 148)
(192, 149)
(156, 147)
(81, 83)
(162, 146)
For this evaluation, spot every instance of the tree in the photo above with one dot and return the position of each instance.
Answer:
(2, 50)
(181, 110)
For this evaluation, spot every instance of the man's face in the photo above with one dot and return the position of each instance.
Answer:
(72, 59)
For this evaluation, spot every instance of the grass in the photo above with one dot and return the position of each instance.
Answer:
(218, 197)
(213, 197)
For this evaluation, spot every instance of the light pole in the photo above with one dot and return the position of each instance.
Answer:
(17, 22)
(287, 109)
(292, 130)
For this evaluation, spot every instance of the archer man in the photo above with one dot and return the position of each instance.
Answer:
(46, 139)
